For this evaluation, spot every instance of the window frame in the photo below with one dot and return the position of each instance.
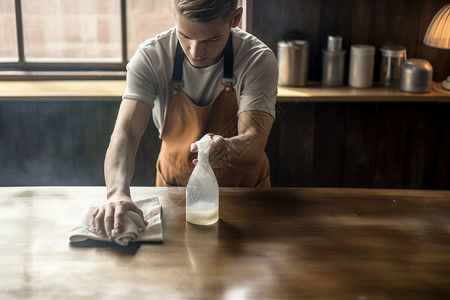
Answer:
(23, 69)
(23, 65)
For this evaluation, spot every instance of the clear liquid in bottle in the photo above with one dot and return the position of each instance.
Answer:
(202, 191)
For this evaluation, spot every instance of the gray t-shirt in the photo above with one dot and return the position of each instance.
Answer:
(255, 68)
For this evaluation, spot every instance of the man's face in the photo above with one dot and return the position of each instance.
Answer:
(203, 43)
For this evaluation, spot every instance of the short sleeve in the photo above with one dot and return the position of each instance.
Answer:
(259, 87)
(141, 79)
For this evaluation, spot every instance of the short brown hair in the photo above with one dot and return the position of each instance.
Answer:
(204, 11)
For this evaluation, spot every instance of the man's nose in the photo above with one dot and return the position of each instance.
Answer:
(196, 49)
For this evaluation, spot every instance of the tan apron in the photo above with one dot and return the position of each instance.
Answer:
(185, 123)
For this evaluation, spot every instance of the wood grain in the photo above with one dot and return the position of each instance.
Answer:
(360, 145)
(112, 90)
(329, 144)
(268, 244)
(392, 142)
(371, 22)
(316, 93)
(58, 90)
(443, 150)
(423, 127)
(295, 162)
(348, 144)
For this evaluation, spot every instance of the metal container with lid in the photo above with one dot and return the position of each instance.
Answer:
(416, 76)
(293, 62)
(361, 66)
(392, 59)
(333, 62)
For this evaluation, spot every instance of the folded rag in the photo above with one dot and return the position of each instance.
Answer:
(134, 229)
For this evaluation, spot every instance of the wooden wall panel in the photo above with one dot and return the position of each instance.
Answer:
(360, 144)
(385, 145)
(422, 139)
(272, 146)
(92, 127)
(391, 145)
(55, 142)
(145, 171)
(266, 17)
(334, 20)
(53, 159)
(19, 144)
(64, 143)
(402, 20)
(329, 144)
(358, 21)
(443, 148)
(294, 163)
(363, 15)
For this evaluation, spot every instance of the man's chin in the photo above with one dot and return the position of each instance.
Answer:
(199, 63)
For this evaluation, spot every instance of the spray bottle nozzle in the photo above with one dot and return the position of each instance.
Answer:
(203, 146)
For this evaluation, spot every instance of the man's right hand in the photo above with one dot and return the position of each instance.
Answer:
(111, 216)
(120, 157)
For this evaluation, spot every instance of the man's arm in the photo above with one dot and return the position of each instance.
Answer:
(119, 166)
(247, 147)
(257, 98)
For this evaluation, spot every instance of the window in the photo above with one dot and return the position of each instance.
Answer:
(77, 35)
(146, 19)
(8, 34)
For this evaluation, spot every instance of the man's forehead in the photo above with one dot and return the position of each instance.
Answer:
(201, 31)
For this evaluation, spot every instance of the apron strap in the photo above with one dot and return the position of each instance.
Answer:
(177, 75)
(228, 60)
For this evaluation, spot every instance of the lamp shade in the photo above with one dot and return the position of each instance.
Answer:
(438, 32)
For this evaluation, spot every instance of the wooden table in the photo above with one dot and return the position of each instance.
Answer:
(268, 244)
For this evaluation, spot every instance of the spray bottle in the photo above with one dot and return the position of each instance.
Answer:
(202, 190)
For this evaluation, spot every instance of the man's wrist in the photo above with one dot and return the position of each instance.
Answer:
(116, 194)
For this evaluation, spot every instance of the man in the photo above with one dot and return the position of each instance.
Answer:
(205, 76)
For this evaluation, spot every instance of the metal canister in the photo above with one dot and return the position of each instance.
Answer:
(392, 59)
(333, 62)
(293, 62)
(416, 76)
(361, 66)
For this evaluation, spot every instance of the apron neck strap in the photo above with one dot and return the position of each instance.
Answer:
(177, 75)
(228, 60)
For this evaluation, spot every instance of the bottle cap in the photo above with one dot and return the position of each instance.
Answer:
(363, 50)
(393, 51)
(203, 146)
(334, 43)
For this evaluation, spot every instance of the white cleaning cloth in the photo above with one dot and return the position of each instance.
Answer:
(134, 229)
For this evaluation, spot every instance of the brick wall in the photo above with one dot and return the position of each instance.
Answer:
(146, 19)
(80, 29)
(8, 40)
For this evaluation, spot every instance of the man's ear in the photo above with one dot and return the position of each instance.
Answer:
(237, 17)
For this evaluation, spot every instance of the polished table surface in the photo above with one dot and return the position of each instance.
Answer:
(268, 244)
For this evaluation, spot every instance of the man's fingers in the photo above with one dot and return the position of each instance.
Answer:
(219, 152)
(119, 216)
(94, 214)
(139, 212)
(99, 222)
(111, 216)
(109, 221)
